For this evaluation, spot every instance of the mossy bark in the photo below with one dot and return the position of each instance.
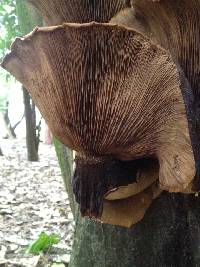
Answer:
(28, 17)
(65, 159)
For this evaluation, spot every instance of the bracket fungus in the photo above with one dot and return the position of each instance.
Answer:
(113, 96)
(175, 26)
(78, 11)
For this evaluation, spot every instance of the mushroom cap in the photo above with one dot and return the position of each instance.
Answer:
(130, 211)
(107, 90)
(78, 11)
(103, 89)
(146, 174)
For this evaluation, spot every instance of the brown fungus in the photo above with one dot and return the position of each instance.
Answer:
(127, 17)
(127, 212)
(175, 26)
(96, 179)
(78, 11)
(108, 93)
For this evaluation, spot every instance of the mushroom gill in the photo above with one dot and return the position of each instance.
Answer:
(78, 11)
(114, 97)
(175, 26)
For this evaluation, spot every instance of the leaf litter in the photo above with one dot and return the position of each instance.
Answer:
(33, 203)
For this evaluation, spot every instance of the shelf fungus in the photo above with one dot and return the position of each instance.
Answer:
(114, 97)
(78, 11)
(165, 23)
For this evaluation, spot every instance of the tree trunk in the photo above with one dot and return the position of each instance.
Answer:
(10, 130)
(169, 234)
(28, 19)
(32, 142)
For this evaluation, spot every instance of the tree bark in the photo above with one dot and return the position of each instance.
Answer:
(32, 142)
(28, 19)
(169, 235)
(10, 130)
(65, 159)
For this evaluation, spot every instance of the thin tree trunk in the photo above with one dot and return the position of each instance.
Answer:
(7, 124)
(10, 130)
(31, 138)
(28, 19)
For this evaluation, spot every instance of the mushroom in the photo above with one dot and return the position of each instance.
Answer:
(127, 17)
(97, 179)
(127, 212)
(175, 26)
(79, 11)
(165, 24)
(113, 96)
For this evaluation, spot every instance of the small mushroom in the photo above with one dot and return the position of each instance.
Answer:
(127, 212)
(146, 173)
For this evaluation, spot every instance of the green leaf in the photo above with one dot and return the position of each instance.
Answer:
(43, 243)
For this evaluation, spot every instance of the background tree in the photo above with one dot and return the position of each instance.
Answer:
(11, 26)
(28, 18)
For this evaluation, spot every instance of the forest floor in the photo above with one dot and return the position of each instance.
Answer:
(32, 200)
